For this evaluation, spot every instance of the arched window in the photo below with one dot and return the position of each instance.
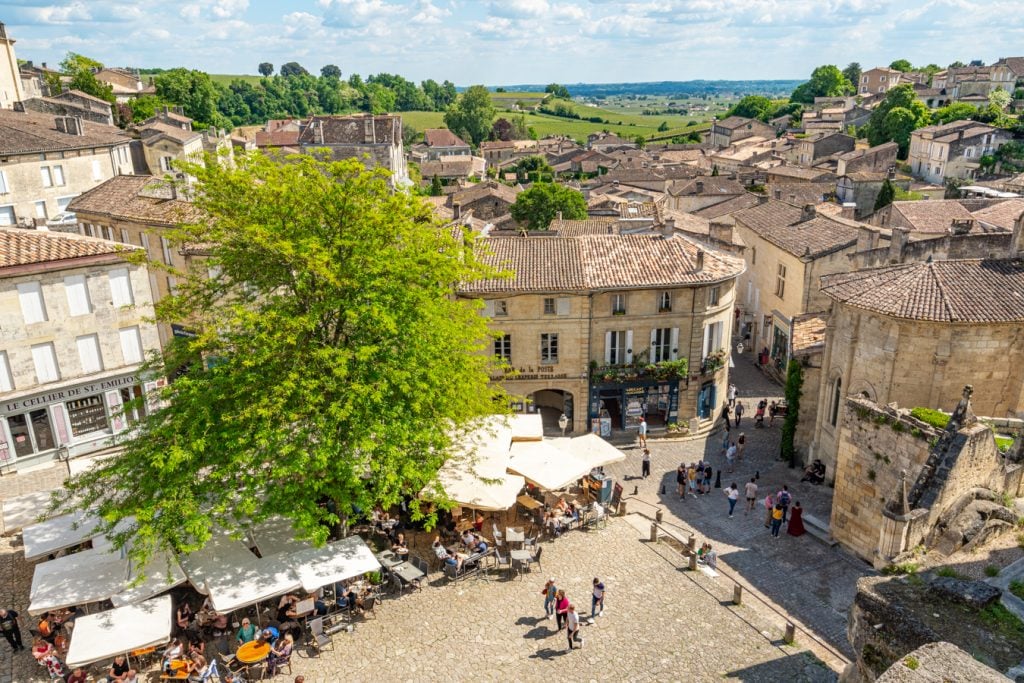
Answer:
(837, 391)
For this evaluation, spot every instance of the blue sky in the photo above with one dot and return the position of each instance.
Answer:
(520, 41)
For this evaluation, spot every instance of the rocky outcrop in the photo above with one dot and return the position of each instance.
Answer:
(940, 663)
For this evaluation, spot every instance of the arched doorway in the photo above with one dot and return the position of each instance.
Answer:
(551, 404)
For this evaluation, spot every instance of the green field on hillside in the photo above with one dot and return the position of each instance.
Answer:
(225, 79)
(508, 100)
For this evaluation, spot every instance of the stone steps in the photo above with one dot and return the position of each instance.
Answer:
(819, 529)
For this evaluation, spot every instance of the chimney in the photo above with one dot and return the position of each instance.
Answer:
(849, 211)
(668, 227)
(898, 244)
(1017, 239)
(559, 215)
(720, 229)
(368, 131)
(762, 199)
(807, 213)
(778, 194)
(62, 124)
(700, 259)
(700, 186)
(318, 131)
(456, 210)
(74, 125)
(961, 226)
(867, 237)
(44, 65)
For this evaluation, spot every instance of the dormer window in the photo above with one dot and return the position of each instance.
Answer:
(665, 302)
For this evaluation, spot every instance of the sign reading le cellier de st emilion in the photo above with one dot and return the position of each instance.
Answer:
(70, 393)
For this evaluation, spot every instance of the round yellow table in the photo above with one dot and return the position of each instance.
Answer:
(252, 652)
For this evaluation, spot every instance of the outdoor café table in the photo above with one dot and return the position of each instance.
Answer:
(252, 652)
(407, 572)
(389, 559)
(528, 502)
(179, 670)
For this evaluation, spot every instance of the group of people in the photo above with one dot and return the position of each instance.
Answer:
(49, 644)
(694, 478)
(559, 516)
(557, 606)
(778, 512)
(472, 544)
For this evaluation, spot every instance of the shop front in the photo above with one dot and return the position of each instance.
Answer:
(80, 417)
(620, 406)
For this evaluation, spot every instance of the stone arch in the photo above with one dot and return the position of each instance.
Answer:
(551, 402)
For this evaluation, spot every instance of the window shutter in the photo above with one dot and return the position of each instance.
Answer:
(6, 382)
(117, 418)
(674, 344)
(488, 309)
(652, 355)
(608, 347)
(30, 295)
(45, 360)
(58, 175)
(78, 295)
(562, 305)
(131, 345)
(706, 347)
(4, 187)
(89, 353)
(629, 346)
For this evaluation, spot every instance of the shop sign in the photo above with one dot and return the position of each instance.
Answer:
(70, 393)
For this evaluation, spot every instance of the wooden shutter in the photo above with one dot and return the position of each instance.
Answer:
(608, 347)
(674, 344)
(629, 346)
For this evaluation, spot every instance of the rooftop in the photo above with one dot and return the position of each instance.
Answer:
(361, 129)
(442, 137)
(29, 132)
(809, 333)
(956, 291)
(784, 226)
(26, 247)
(137, 198)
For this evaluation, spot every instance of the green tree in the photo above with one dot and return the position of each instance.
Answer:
(436, 187)
(902, 65)
(81, 70)
(794, 387)
(640, 141)
(957, 65)
(558, 91)
(853, 73)
(330, 71)
(293, 69)
(885, 195)
(520, 131)
(145, 107)
(957, 111)
(539, 205)
(663, 127)
(471, 114)
(912, 114)
(194, 91)
(826, 81)
(266, 68)
(343, 363)
(501, 130)
(753, 107)
(999, 98)
(532, 168)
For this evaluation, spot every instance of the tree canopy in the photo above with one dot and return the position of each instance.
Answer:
(753, 107)
(471, 115)
(896, 117)
(81, 70)
(902, 65)
(826, 81)
(330, 71)
(266, 68)
(194, 91)
(337, 362)
(853, 73)
(540, 205)
(293, 69)
(559, 91)
(957, 111)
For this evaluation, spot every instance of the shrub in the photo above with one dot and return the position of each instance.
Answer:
(935, 418)
(902, 568)
(1017, 588)
(991, 570)
(949, 573)
(912, 663)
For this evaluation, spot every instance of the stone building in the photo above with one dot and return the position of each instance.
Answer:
(489, 200)
(168, 137)
(70, 103)
(10, 75)
(877, 159)
(953, 150)
(595, 326)
(46, 161)
(126, 83)
(375, 140)
(731, 130)
(139, 211)
(73, 334)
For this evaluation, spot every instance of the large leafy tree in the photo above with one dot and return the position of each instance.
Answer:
(81, 69)
(903, 65)
(896, 117)
(826, 81)
(853, 72)
(338, 363)
(540, 205)
(293, 69)
(330, 71)
(559, 91)
(266, 68)
(471, 115)
(194, 91)
(957, 111)
(753, 107)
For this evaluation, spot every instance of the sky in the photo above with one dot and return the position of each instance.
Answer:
(501, 42)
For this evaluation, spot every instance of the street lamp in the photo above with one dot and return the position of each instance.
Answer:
(563, 422)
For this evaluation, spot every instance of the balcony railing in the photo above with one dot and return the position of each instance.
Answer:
(628, 372)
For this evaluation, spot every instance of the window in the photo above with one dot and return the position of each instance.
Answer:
(500, 306)
(89, 353)
(62, 203)
(77, 291)
(124, 236)
(837, 392)
(165, 247)
(968, 152)
(549, 306)
(97, 171)
(663, 341)
(549, 347)
(6, 381)
(753, 255)
(712, 338)
(7, 216)
(131, 345)
(30, 295)
(165, 163)
(780, 281)
(5, 188)
(58, 175)
(144, 241)
(87, 415)
(503, 347)
(713, 295)
(618, 304)
(665, 302)
(45, 360)
(120, 288)
(46, 176)
(41, 209)
(31, 432)
(616, 347)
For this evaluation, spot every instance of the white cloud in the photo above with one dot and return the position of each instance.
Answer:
(357, 13)
(226, 9)
(429, 13)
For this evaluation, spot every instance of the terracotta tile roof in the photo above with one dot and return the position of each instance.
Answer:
(1001, 215)
(277, 138)
(732, 205)
(782, 225)
(592, 226)
(809, 333)
(442, 137)
(84, 96)
(600, 262)
(957, 291)
(797, 173)
(485, 189)
(29, 132)
(152, 132)
(799, 193)
(932, 216)
(140, 199)
(734, 122)
(351, 130)
(25, 247)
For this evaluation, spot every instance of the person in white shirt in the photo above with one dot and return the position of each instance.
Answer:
(597, 599)
(732, 395)
(733, 494)
(573, 626)
(750, 490)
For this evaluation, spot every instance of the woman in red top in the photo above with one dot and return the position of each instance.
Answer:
(561, 608)
(796, 521)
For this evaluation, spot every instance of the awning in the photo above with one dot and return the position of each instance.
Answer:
(162, 574)
(22, 511)
(317, 567)
(77, 579)
(476, 474)
(545, 465)
(220, 553)
(118, 631)
(232, 587)
(591, 449)
(527, 427)
(58, 533)
(275, 536)
(465, 488)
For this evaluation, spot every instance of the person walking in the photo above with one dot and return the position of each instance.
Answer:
(732, 395)
(796, 521)
(561, 608)
(681, 480)
(642, 432)
(776, 520)
(725, 416)
(730, 455)
(741, 445)
(733, 494)
(691, 479)
(550, 592)
(645, 464)
(784, 498)
(9, 627)
(769, 505)
(706, 483)
(573, 626)
(750, 491)
(738, 412)
(597, 599)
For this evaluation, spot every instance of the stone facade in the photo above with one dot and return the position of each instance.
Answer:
(953, 150)
(10, 78)
(375, 140)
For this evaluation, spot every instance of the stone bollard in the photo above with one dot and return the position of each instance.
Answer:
(654, 532)
(622, 508)
(691, 545)
(790, 636)
(693, 562)
(737, 594)
(658, 515)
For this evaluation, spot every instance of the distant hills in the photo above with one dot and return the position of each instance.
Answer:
(670, 88)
